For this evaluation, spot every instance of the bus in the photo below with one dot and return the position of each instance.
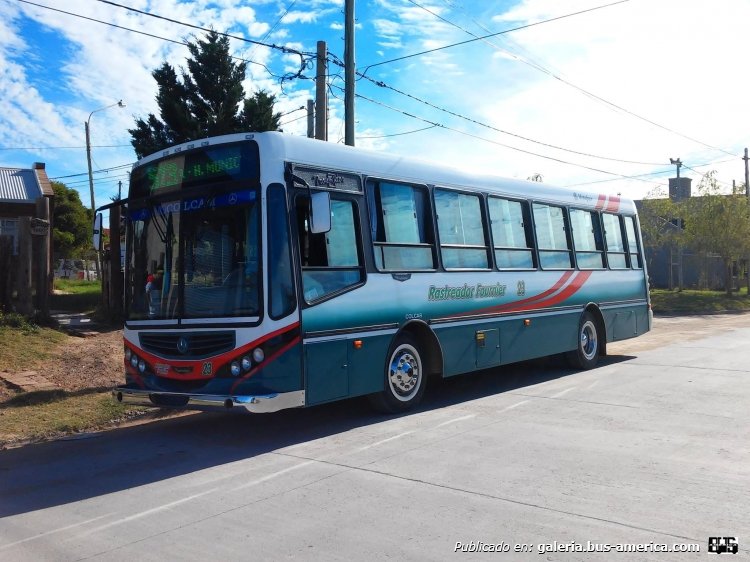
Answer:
(266, 271)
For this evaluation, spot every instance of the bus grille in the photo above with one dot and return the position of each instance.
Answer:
(201, 344)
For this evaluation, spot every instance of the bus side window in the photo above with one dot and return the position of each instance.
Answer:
(512, 237)
(587, 239)
(331, 261)
(402, 232)
(462, 240)
(552, 237)
(635, 256)
(615, 244)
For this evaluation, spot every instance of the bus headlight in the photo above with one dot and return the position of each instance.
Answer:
(258, 355)
(142, 366)
(246, 363)
(234, 368)
(128, 353)
(133, 361)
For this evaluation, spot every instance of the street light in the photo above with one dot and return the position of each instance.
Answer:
(91, 176)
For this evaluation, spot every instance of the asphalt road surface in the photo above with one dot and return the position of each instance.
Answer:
(649, 451)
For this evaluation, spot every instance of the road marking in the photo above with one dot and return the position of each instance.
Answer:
(274, 475)
(563, 392)
(52, 532)
(144, 513)
(467, 417)
(516, 405)
(384, 441)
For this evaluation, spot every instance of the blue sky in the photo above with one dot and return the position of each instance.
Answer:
(582, 100)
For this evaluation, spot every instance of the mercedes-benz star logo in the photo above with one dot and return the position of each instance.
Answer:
(182, 345)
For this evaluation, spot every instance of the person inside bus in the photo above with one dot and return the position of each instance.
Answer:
(153, 293)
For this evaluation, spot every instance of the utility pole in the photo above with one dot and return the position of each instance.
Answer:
(321, 98)
(678, 164)
(349, 72)
(747, 194)
(310, 119)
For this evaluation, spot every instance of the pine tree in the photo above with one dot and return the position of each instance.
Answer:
(206, 100)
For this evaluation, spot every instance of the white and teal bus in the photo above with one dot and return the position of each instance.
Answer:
(267, 271)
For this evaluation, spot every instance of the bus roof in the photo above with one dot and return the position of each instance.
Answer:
(301, 150)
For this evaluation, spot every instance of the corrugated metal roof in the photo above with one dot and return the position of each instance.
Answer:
(19, 185)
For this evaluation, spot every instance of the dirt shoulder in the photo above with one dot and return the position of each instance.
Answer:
(94, 362)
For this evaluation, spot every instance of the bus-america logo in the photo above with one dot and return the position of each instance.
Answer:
(465, 291)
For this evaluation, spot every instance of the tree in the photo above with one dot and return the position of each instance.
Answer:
(659, 218)
(717, 223)
(206, 100)
(71, 233)
(661, 227)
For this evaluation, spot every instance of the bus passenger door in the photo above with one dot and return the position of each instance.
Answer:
(331, 265)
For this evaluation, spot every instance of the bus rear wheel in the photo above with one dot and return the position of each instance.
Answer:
(404, 382)
(586, 354)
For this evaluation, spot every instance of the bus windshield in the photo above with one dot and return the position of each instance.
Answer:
(195, 258)
(193, 238)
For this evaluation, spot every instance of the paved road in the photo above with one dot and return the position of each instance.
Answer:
(651, 448)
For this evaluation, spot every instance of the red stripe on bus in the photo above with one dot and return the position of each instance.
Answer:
(614, 204)
(276, 354)
(566, 293)
(501, 307)
(556, 287)
(600, 202)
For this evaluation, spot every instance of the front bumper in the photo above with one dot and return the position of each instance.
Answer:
(257, 404)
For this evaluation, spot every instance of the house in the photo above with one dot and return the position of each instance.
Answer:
(24, 269)
(19, 190)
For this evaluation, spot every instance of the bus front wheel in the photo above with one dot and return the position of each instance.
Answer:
(586, 354)
(404, 382)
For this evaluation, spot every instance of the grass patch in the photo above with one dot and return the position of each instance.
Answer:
(691, 301)
(24, 349)
(42, 415)
(74, 295)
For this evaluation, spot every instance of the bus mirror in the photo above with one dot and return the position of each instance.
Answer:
(97, 238)
(320, 212)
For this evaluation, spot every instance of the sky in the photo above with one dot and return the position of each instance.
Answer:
(596, 94)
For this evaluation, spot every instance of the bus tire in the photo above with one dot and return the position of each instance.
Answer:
(586, 354)
(405, 377)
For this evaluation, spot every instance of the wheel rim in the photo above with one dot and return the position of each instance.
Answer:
(589, 342)
(404, 373)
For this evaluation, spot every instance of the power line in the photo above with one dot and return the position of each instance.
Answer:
(62, 147)
(552, 74)
(399, 134)
(167, 39)
(493, 34)
(103, 170)
(667, 171)
(440, 125)
(285, 50)
(278, 21)
(382, 84)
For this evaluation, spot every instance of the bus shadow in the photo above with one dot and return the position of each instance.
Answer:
(488, 382)
(92, 465)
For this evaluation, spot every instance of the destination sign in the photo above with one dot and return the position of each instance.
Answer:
(206, 166)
